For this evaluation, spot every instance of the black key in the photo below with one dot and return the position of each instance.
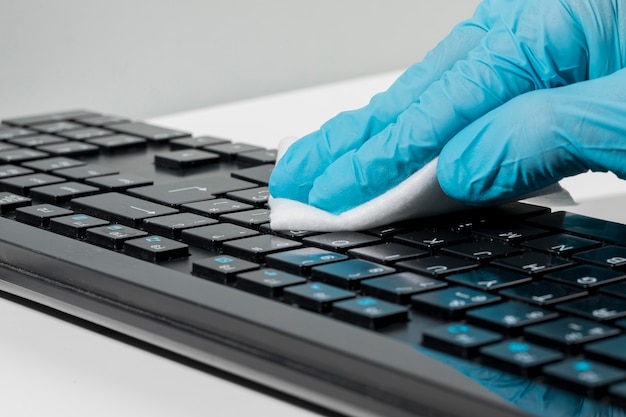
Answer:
(387, 253)
(118, 182)
(259, 174)
(300, 261)
(191, 190)
(544, 293)
(49, 117)
(606, 256)
(62, 192)
(451, 302)
(155, 248)
(185, 158)
(115, 143)
(120, 208)
(255, 248)
(7, 171)
(36, 140)
(39, 215)
(509, 317)
(10, 133)
(489, 278)
(289, 234)
(341, 241)
(52, 164)
(24, 183)
(602, 308)
(315, 296)
(101, 120)
(458, 339)
(4, 146)
(348, 274)
(257, 197)
(616, 290)
(222, 268)
(369, 312)
(10, 201)
(561, 244)
(387, 231)
(230, 151)
(482, 250)
(217, 207)
(75, 225)
(84, 172)
(583, 376)
(533, 263)
(510, 234)
(18, 155)
(147, 131)
(85, 133)
(197, 142)
(172, 226)
(438, 265)
(590, 227)
(518, 357)
(586, 276)
(248, 218)
(568, 333)
(431, 239)
(265, 156)
(398, 288)
(212, 237)
(55, 127)
(70, 149)
(267, 282)
(113, 236)
(609, 350)
(618, 394)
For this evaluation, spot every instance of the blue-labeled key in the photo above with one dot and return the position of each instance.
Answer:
(370, 312)
(519, 357)
(300, 261)
(348, 274)
(267, 282)
(155, 248)
(458, 339)
(316, 296)
(584, 376)
(222, 268)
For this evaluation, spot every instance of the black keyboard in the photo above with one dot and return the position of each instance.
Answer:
(164, 238)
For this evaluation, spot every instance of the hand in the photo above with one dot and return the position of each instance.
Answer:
(485, 101)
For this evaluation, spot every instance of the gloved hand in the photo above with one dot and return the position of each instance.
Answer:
(519, 96)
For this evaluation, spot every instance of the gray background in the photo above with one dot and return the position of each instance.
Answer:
(143, 58)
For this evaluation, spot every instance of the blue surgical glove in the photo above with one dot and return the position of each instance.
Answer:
(519, 96)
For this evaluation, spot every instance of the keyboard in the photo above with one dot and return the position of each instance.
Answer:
(164, 238)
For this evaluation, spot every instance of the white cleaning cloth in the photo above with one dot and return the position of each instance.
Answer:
(417, 196)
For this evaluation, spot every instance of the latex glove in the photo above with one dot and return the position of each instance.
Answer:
(458, 103)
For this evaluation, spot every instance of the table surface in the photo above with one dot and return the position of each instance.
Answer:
(54, 368)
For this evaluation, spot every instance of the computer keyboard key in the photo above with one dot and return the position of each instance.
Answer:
(9, 133)
(586, 276)
(213, 236)
(7, 171)
(561, 244)
(617, 393)
(300, 261)
(431, 239)
(315, 296)
(217, 207)
(611, 350)
(75, 225)
(489, 278)
(112, 236)
(341, 241)
(75, 149)
(63, 192)
(387, 253)
(85, 133)
(589, 227)
(118, 182)
(147, 131)
(155, 248)
(611, 256)
(264, 156)
(509, 233)
(5, 146)
(458, 338)
(19, 155)
(54, 163)
(452, 302)
(543, 293)
(348, 274)
(369, 312)
(120, 208)
(83, 172)
(195, 142)
(49, 117)
(568, 334)
(267, 282)
(55, 127)
(36, 140)
(172, 225)
(533, 263)
(248, 218)
(11, 201)
(602, 308)
(257, 197)
(509, 317)
(256, 248)
(481, 251)
(259, 174)
(185, 158)
(518, 357)
(222, 268)
(101, 120)
(23, 183)
(583, 376)
(119, 142)
(40, 214)
(230, 151)
(399, 287)
(438, 265)
(617, 289)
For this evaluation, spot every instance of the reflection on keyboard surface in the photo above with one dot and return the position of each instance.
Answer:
(138, 223)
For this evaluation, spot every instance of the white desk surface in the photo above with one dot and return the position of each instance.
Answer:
(53, 368)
